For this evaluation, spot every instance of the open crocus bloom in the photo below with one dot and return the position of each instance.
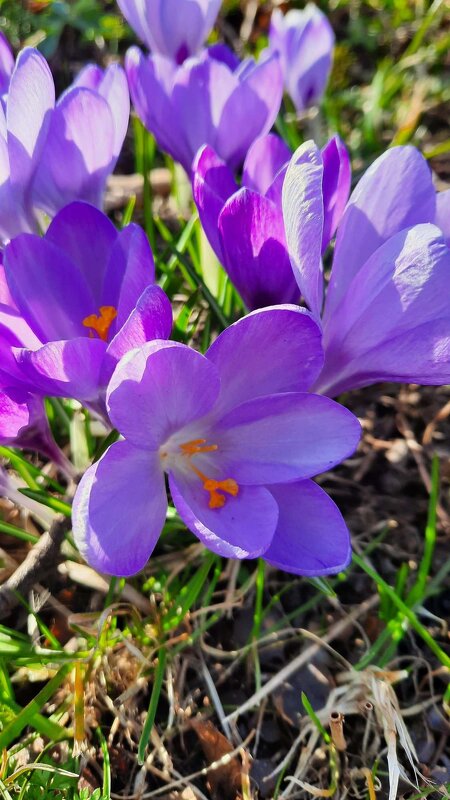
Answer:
(305, 41)
(176, 29)
(50, 155)
(86, 294)
(237, 445)
(245, 225)
(386, 315)
(210, 99)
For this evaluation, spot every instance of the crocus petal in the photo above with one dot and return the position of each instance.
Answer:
(158, 389)
(64, 369)
(212, 185)
(30, 103)
(337, 175)
(311, 536)
(130, 271)
(119, 510)
(304, 219)
(79, 152)
(282, 348)
(395, 193)
(249, 111)
(394, 322)
(90, 77)
(285, 437)
(6, 63)
(14, 415)
(242, 528)
(87, 237)
(49, 291)
(134, 12)
(150, 319)
(114, 89)
(265, 158)
(443, 214)
(254, 250)
(182, 28)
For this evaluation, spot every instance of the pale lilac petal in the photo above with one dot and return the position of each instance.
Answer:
(114, 89)
(51, 294)
(159, 389)
(304, 220)
(443, 214)
(79, 152)
(311, 536)
(395, 193)
(254, 250)
(15, 415)
(265, 158)
(280, 348)
(242, 528)
(6, 63)
(64, 369)
(87, 237)
(394, 322)
(135, 12)
(285, 437)
(30, 104)
(90, 77)
(337, 176)
(119, 510)
(212, 185)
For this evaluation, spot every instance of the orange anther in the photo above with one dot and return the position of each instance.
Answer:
(101, 323)
(228, 486)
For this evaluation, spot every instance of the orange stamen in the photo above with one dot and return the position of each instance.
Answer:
(101, 323)
(228, 486)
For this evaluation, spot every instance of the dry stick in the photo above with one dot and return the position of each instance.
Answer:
(304, 658)
(39, 560)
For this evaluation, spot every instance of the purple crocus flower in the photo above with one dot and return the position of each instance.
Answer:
(305, 41)
(50, 155)
(238, 446)
(245, 225)
(175, 29)
(211, 99)
(86, 294)
(386, 315)
(6, 64)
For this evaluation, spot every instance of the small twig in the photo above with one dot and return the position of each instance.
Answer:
(38, 562)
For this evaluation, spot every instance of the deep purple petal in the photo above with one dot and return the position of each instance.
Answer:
(119, 510)
(394, 322)
(51, 294)
(395, 193)
(159, 389)
(87, 238)
(311, 536)
(304, 219)
(130, 271)
(212, 185)
(265, 158)
(337, 176)
(65, 369)
(269, 351)
(242, 528)
(284, 437)
(78, 155)
(443, 214)
(150, 319)
(254, 250)
(14, 415)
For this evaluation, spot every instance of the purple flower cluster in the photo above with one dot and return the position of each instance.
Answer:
(240, 431)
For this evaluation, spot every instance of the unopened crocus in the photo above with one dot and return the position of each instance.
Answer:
(175, 29)
(385, 314)
(304, 40)
(245, 224)
(53, 154)
(238, 446)
(86, 293)
(210, 99)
